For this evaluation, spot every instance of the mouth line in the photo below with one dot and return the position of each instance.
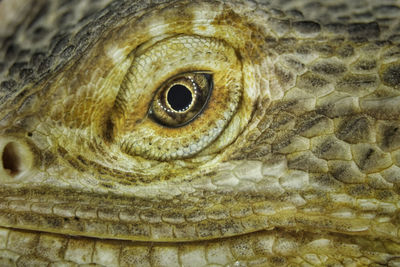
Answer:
(162, 231)
(94, 216)
(276, 230)
(175, 240)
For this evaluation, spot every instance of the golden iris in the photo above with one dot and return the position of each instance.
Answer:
(181, 99)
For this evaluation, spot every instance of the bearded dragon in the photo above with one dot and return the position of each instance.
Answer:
(200, 133)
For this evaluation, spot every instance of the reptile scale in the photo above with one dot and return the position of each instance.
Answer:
(200, 133)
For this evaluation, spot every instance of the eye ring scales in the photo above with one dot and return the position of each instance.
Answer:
(148, 121)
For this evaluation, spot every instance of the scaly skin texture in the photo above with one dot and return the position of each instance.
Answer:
(305, 172)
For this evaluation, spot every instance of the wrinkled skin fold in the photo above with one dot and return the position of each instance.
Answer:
(295, 160)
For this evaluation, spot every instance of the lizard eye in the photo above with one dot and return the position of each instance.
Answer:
(181, 99)
(177, 97)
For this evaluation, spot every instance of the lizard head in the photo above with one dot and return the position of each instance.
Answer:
(202, 121)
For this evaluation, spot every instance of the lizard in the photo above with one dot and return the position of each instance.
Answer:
(285, 150)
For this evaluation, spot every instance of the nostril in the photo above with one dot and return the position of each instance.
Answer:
(11, 159)
(16, 158)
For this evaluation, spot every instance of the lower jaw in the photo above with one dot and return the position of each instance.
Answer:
(264, 248)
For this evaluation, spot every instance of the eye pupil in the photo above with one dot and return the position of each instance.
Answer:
(179, 97)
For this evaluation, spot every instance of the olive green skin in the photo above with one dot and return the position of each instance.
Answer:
(306, 170)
